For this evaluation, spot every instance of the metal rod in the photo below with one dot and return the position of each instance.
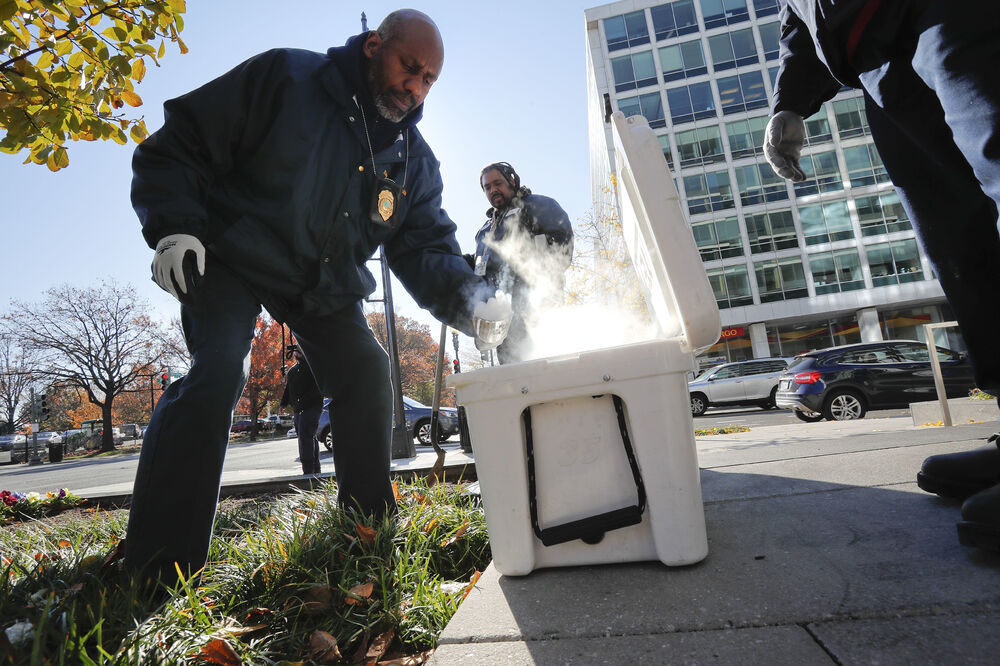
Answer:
(942, 394)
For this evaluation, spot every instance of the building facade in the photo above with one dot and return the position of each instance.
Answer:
(794, 267)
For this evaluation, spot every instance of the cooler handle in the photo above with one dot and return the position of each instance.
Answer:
(590, 530)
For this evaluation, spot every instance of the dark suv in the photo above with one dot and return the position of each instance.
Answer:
(416, 415)
(843, 383)
(751, 382)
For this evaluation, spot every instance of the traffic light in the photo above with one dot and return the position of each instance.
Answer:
(455, 367)
(165, 379)
(43, 412)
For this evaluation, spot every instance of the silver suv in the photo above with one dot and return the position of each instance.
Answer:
(751, 382)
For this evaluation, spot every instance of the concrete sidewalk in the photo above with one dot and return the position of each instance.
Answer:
(822, 550)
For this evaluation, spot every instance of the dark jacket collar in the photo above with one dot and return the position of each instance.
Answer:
(351, 64)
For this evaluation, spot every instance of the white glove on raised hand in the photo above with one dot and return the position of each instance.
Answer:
(783, 138)
(168, 263)
(491, 321)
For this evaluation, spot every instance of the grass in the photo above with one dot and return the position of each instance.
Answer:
(720, 430)
(290, 580)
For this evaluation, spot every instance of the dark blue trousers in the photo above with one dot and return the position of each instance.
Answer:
(934, 112)
(306, 422)
(180, 466)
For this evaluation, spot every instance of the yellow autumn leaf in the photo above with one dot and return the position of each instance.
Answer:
(131, 98)
(138, 69)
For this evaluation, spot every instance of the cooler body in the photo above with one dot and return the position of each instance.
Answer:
(588, 458)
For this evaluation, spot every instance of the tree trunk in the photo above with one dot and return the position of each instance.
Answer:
(108, 439)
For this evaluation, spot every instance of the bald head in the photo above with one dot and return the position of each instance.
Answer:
(405, 59)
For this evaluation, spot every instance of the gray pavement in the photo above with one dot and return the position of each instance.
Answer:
(822, 550)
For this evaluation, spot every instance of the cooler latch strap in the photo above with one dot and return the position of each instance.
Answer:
(589, 530)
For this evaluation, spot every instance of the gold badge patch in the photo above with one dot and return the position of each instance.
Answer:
(386, 204)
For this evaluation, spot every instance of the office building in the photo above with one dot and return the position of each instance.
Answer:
(831, 260)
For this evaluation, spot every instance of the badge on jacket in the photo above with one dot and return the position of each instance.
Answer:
(384, 199)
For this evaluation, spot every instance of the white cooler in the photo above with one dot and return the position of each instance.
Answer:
(589, 458)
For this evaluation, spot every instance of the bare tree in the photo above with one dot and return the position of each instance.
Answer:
(16, 364)
(98, 339)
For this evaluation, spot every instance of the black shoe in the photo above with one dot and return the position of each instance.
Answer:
(980, 526)
(961, 475)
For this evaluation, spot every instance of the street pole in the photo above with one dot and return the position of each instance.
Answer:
(35, 458)
(402, 443)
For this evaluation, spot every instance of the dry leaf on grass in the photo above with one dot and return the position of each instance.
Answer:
(456, 536)
(380, 645)
(220, 652)
(323, 647)
(366, 534)
(410, 660)
(358, 593)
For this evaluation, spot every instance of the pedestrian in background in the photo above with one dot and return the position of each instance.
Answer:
(303, 396)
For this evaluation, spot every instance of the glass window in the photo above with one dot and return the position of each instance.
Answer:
(665, 147)
(731, 285)
(870, 356)
(780, 279)
(706, 192)
(771, 231)
(682, 60)
(882, 214)
(718, 239)
(634, 71)
(836, 271)
(851, 117)
(674, 19)
(818, 128)
(765, 7)
(650, 106)
(758, 183)
(827, 222)
(792, 339)
(893, 263)
(746, 136)
(770, 33)
(702, 145)
(864, 166)
(822, 174)
(742, 92)
(909, 324)
(733, 49)
(691, 102)
(772, 73)
(723, 12)
(625, 31)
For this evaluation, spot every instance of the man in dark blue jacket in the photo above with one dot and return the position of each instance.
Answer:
(928, 69)
(272, 186)
(523, 250)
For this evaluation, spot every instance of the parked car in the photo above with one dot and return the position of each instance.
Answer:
(23, 445)
(6, 442)
(280, 420)
(292, 433)
(843, 383)
(751, 382)
(129, 430)
(416, 415)
(245, 425)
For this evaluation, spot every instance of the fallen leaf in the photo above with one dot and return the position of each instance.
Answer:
(220, 652)
(434, 522)
(395, 491)
(457, 535)
(236, 632)
(366, 534)
(63, 543)
(324, 647)
(472, 583)
(317, 598)
(380, 645)
(116, 554)
(359, 593)
(359, 654)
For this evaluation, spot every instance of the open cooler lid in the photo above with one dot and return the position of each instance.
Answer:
(659, 240)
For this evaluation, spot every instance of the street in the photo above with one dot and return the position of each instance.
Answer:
(115, 474)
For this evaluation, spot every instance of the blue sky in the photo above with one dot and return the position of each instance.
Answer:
(512, 88)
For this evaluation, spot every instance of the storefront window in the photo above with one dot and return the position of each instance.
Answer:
(793, 339)
(733, 345)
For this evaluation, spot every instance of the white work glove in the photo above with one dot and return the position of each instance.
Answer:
(491, 321)
(168, 264)
(783, 138)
